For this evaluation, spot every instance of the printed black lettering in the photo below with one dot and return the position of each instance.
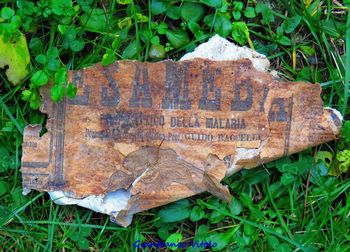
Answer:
(78, 80)
(278, 110)
(176, 94)
(239, 104)
(208, 86)
(113, 99)
(262, 102)
(141, 95)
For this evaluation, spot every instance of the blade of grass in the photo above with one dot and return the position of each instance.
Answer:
(347, 62)
(8, 113)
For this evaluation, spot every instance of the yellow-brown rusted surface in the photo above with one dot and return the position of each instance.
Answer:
(169, 130)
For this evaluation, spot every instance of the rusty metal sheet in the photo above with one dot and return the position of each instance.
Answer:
(168, 130)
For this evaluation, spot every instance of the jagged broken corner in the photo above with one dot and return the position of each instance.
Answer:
(141, 135)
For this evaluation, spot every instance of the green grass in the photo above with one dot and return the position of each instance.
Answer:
(298, 203)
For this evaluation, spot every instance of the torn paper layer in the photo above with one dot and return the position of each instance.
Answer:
(140, 135)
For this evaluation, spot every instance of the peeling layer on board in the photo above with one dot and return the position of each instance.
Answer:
(140, 135)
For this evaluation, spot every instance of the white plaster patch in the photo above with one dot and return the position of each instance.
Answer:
(108, 204)
(218, 48)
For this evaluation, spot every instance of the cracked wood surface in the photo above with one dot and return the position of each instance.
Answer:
(169, 130)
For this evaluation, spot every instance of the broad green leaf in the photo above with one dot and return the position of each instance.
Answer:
(163, 232)
(35, 117)
(36, 46)
(219, 241)
(57, 92)
(33, 98)
(237, 8)
(194, 27)
(290, 24)
(222, 24)
(41, 58)
(77, 45)
(155, 40)
(250, 12)
(62, 7)
(192, 11)
(85, 231)
(344, 161)
(276, 190)
(52, 52)
(7, 13)
(83, 243)
(299, 167)
(73, 234)
(318, 171)
(18, 198)
(62, 29)
(197, 213)
(53, 64)
(162, 28)
(284, 247)
(304, 74)
(212, 3)
(287, 179)
(255, 176)
(39, 79)
(174, 12)
(273, 242)
(267, 50)
(16, 57)
(345, 131)
(246, 200)
(146, 35)
(16, 21)
(159, 6)
(216, 217)
(61, 76)
(94, 21)
(125, 23)
(116, 43)
(308, 50)
(236, 15)
(132, 50)
(4, 164)
(202, 230)
(174, 239)
(4, 152)
(108, 58)
(266, 12)
(235, 206)
(13, 162)
(240, 32)
(177, 211)
(284, 40)
(124, 2)
(325, 156)
(249, 230)
(177, 38)
(70, 34)
(140, 18)
(4, 187)
(157, 51)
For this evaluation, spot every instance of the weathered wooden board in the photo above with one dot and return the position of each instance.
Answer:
(168, 130)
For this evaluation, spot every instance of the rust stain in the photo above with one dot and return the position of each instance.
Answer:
(169, 130)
